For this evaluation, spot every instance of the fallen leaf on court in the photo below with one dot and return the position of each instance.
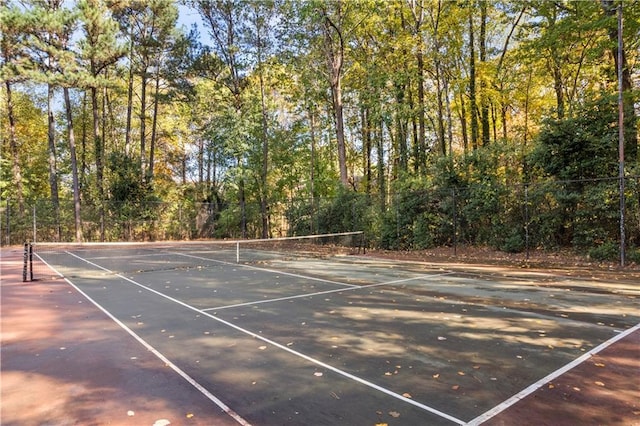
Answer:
(435, 376)
(407, 395)
(318, 374)
(394, 414)
(262, 348)
(455, 387)
(379, 412)
(442, 338)
(388, 373)
(189, 415)
(599, 364)
(290, 344)
(335, 395)
(460, 373)
(551, 386)
(599, 383)
(577, 389)
(382, 424)
(162, 422)
(476, 367)
(131, 413)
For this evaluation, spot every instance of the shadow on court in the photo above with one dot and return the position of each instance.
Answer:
(362, 342)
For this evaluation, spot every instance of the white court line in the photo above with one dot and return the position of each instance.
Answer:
(320, 293)
(537, 385)
(267, 270)
(151, 349)
(285, 348)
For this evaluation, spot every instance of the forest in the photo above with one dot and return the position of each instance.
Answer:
(510, 124)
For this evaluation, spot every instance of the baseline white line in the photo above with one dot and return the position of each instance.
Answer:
(537, 385)
(320, 293)
(272, 271)
(225, 408)
(286, 348)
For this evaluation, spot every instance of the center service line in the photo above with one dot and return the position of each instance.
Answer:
(320, 293)
(285, 348)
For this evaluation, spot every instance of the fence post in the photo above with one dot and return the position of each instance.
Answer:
(455, 223)
(526, 220)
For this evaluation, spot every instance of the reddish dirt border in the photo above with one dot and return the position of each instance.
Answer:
(56, 369)
(64, 362)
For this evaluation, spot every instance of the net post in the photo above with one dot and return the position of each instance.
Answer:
(30, 262)
(238, 252)
(25, 264)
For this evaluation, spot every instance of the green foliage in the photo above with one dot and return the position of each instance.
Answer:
(347, 211)
(605, 252)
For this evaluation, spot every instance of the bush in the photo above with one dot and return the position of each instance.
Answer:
(513, 244)
(605, 252)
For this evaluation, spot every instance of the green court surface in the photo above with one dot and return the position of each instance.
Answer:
(352, 339)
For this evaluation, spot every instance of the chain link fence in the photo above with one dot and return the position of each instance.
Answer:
(582, 215)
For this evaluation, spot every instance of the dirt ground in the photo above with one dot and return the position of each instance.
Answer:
(562, 263)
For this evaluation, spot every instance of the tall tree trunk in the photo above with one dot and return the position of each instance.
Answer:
(484, 113)
(127, 134)
(265, 158)
(143, 122)
(463, 124)
(53, 168)
(382, 191)
(312, 166)
(334, 50)
(13, 145)
(98, 150)
(366, 141)
(154, 129)
(630, 120)
(74, 167)
(472, 84)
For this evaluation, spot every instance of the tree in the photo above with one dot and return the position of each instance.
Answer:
(10, 52)
(100, 49)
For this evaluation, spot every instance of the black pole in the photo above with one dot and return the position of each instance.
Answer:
(24, 262)
(455, 224)
(30, 262)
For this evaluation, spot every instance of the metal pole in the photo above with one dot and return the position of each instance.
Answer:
(455, 224)
(34, 224)
(621, 138)
(526, 219)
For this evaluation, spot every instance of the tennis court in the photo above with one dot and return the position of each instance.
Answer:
(347, 338)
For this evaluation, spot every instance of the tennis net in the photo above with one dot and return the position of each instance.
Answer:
(50, 260)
